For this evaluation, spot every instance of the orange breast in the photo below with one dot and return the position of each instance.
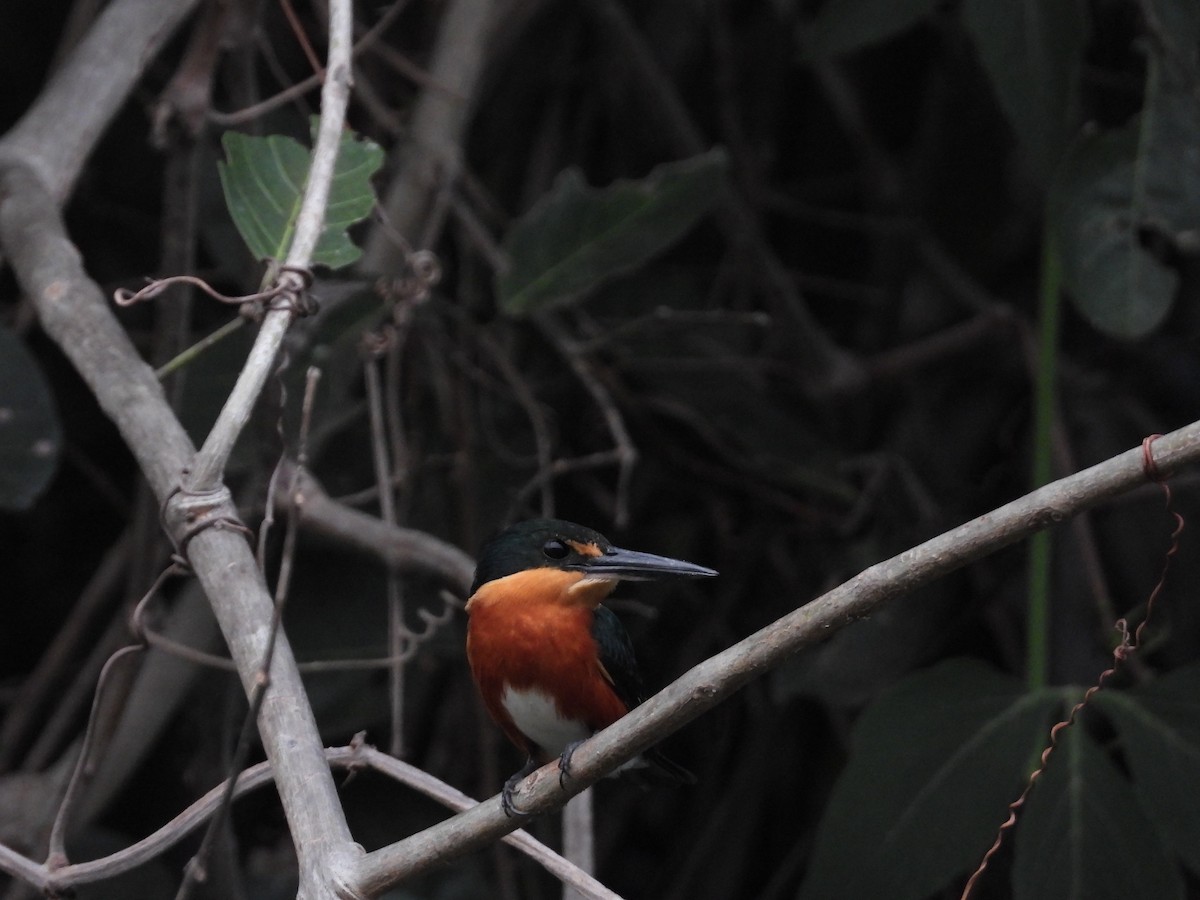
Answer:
(530, 632)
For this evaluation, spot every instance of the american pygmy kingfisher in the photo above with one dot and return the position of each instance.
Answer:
(552, 665)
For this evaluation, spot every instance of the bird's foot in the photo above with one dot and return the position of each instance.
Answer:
(564, 763)
(506, 793)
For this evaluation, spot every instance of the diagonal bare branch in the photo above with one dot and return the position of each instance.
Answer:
(719, 676)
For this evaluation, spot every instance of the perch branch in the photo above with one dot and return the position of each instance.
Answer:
(719, 676)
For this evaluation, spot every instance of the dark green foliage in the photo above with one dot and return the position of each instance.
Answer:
(932, 766)
(264, 179)
(1083, 833)
(1032, 51)
(935, 762)
(844, 26)
(576, 238)
(1125, 198)
(1158, 738)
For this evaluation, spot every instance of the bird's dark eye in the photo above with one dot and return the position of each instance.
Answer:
(555, 550)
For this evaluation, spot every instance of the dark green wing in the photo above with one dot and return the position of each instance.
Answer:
(616, 655)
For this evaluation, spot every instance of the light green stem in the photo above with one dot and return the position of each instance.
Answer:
(1037, 638)
(199, 347)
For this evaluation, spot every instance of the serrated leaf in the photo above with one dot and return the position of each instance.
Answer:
(1159, 728)
(1114, 189)
(577, 238)
(1083, 835)
(30, 435)
(264, 178)
(933, 765)
(1032, 51)
(843, 26)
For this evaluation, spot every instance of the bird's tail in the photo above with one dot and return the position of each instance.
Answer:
(660, 768)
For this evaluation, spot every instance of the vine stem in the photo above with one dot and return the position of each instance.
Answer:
(1037, 626)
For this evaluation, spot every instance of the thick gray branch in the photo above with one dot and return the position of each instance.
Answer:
(57, 134)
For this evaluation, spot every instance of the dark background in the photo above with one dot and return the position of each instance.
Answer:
(786, 437)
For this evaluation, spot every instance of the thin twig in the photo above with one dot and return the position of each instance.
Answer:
(188, 95)
(57, 854)
(627, 454)
(521, 391)
(188, 354)
(74, 699)
(300, 88)
(412, 639)
(578, 838)
(356, 756)
(301, 37)
(395, 596)
(546, 474)
(156, 286)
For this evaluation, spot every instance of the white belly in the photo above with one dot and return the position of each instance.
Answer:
(536, 715)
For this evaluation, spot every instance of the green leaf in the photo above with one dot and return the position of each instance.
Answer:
(843, 26)
(933, 765)
(1032, 51)
(1083, 835)
(30, 436)
(1116, 188)
(1114, 282)
(1159, 728)
(264, 179)
(576, 238)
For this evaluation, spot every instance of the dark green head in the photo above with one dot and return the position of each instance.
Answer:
(553, 543)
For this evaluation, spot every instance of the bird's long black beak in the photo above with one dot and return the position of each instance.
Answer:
(633, 565)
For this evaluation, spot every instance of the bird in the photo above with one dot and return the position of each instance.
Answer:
(552, 665)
